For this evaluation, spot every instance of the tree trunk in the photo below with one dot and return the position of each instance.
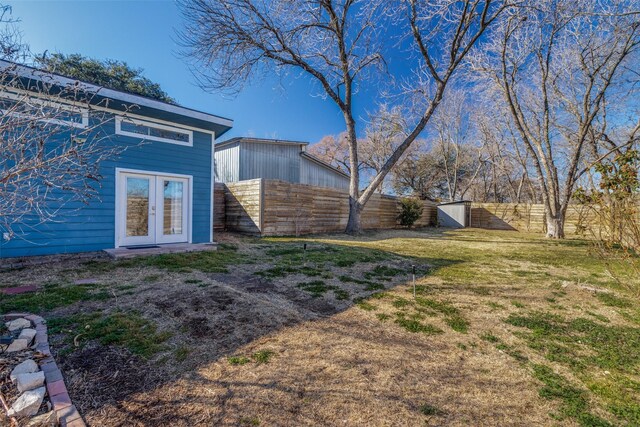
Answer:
(354, 225)
(355, 207)
(555, 225)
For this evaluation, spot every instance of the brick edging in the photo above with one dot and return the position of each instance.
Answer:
(66, 412)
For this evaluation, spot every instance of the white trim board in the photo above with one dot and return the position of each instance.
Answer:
(45, 102)
(51, 78)
(116, 113)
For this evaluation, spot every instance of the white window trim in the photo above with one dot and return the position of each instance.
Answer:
(119, 131)
(15, 97)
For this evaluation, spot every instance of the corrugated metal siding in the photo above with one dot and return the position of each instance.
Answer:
(227, 165)
(81, 228)
(312, 173)
(269, 161)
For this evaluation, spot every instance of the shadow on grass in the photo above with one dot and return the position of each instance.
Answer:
(212, 322)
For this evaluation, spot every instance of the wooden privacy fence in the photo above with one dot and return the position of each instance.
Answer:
(272, 208)
(525, 217)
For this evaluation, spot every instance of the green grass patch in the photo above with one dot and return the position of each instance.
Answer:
(457, 323)
(366, 306)
(496, 306)
(206, 261)
(128, 330)
(400, 302)
(317, 288)
(181, 354)
(415, 326)
(597, 316)
(383, 317)
(429, 410)
(586, 346)
(51, 296)
(574, 401)
(192, 281)
(238, 360)
(262, 356)
(489, 337)
(612, 300)
(293, 255)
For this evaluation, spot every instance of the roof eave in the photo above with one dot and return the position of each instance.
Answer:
(126, 102)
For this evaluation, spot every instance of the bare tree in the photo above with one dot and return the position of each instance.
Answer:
(52, 147)
(51, 141)
(383, 133)
(338, 44)
(334, 149)
(455, 142)
(419, 174)
(553, 67)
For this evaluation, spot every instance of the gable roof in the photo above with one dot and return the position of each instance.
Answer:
(122, 101)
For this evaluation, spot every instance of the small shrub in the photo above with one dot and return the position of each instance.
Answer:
(410, 211)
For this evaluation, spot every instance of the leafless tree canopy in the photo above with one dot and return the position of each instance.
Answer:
(51, 152)
(333, 41)
(336, 43)
(51, 141)
(554, 68)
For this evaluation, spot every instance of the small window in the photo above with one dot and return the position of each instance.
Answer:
(153, 131)
(47, 111)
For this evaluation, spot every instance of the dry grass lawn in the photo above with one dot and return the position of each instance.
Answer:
(506, 329)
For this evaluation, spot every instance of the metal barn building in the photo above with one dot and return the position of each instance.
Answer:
(240, 159)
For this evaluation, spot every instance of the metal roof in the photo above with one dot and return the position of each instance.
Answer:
(258, 141)
(457, 202)
(124, 101)
(323, 163)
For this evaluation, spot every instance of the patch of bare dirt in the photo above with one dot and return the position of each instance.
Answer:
(103, 376)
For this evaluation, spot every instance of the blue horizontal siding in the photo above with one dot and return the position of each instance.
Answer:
(91, 227)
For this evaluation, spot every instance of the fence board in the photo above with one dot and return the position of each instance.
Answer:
(272, 207)
(524, 217)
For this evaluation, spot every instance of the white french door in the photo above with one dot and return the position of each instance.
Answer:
(152, 209)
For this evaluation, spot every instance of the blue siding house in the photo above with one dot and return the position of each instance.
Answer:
(159, 190)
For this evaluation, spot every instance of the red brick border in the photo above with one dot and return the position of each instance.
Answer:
(66, 412)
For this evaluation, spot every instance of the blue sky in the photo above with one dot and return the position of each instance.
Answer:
(142, 32)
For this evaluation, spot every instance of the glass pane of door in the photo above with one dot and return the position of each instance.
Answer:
(173, 200)
(137, 207)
